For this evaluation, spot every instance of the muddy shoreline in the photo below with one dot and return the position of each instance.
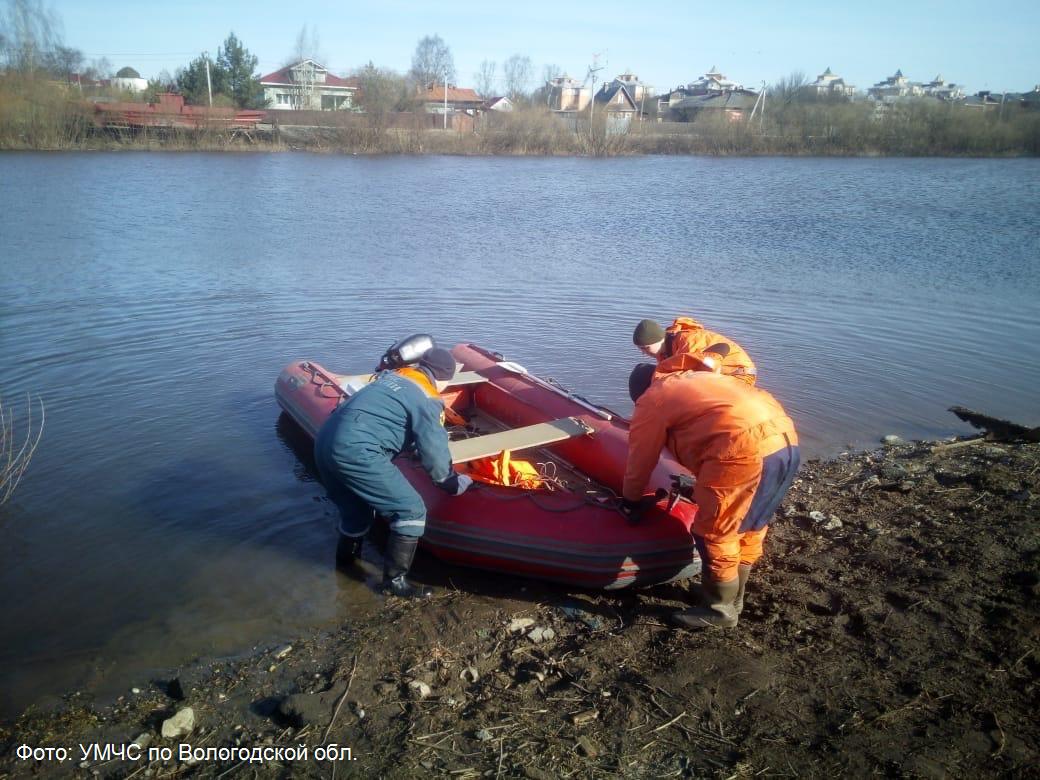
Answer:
(892, 628)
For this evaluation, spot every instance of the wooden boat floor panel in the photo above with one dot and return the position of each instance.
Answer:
(514, 439)
(559, 474)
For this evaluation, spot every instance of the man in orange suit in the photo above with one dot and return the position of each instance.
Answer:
(685, 337)
(742, 449)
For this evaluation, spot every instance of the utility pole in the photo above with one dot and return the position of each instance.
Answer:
(594, 68)
(445, 100)
(209, 84)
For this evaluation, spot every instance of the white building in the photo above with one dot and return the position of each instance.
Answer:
(635, 88)
(828, 84)
(896, 86)
(567, 94)
(712, 82)
(130, 80)
(943, 90)
(308, 85)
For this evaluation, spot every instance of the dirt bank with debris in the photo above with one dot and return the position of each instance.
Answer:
(891, 629)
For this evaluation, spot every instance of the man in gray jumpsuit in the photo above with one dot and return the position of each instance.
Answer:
(354, 451)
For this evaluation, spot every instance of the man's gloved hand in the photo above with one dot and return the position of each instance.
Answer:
(633, 510)
(456, 484)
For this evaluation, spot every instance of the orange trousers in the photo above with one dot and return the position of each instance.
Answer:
(726, 492)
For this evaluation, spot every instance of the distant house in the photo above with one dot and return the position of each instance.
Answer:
(87, 84)
(734, 105)
(982, 101)
(1031, 100)
(498, 104)
(940, 89)
(130, 80)
(308, 85)
(617, 102)
(568, 95)
(711, 83)
(895, 87)
(638, 90)
(828, 84)
(711, 92)
(456, 99)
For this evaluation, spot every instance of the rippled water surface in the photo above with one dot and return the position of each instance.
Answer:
(150, 300)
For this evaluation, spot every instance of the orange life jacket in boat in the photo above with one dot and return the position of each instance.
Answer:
(502, 469)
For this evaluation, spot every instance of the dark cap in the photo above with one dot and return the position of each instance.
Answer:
(440, 363)
(647, 332)
(639, 380)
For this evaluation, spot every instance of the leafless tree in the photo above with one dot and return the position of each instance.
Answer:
(99, 68)
(432, 62)
(63, 61)
(485, 79)
(382, 91)
(304, 76)
(307, 45)
(517, 70)
(544, 91)
(15, 456)
(787, 89)
(28, 33)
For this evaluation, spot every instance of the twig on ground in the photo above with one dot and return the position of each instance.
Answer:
(343, 698)
(1003, 736)
(673, 720)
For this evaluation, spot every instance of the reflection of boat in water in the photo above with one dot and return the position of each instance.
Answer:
(570, 530)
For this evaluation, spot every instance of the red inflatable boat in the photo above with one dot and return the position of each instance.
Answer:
(570, 530)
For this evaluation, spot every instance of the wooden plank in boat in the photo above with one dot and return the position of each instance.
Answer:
(517, 439)
(467, 378)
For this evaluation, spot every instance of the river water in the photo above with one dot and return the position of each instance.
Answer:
(149, 300)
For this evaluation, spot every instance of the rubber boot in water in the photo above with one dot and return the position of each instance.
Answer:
(720, 611)
(347, 551)
(400, 552)
(743, 573)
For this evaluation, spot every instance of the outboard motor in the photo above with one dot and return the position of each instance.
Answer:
(406, 351)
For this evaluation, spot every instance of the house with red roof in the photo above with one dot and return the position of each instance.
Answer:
(307, 85)
(434, 100)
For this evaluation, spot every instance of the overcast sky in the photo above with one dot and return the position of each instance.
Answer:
(981, 45)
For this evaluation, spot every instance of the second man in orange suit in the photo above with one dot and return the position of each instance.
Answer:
(742, 449)
(686, 337)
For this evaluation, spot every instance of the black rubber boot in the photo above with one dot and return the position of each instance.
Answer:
(347, 551)
(743, 573)
(400, 552)
(721, 610)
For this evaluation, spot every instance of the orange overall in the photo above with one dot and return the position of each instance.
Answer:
(686, 335)
(739, 444)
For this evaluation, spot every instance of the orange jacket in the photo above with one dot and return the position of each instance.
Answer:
(701, 416)
(686, 335)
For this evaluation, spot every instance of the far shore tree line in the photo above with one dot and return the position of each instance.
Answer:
(39, 110)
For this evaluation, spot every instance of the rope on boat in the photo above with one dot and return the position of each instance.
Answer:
(602, 497)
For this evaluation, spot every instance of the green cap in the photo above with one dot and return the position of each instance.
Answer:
(647, 332)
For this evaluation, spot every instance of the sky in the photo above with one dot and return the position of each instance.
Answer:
(991, 45)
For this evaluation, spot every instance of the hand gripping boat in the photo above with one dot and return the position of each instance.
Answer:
(572, 533)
